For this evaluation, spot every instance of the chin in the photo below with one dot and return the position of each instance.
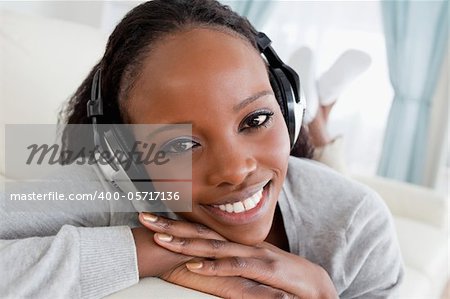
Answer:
(250, 238)
(250, 234)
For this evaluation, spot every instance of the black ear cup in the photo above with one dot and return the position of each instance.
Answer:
(285, 99)
(286, 86)
(117, 147)
(120, 137)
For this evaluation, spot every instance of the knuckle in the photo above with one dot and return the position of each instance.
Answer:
(238, 262)
(263, 252)
(216, 244)
(250, 289)
(263, 291)
(213, 247)
(248, 284)
(272, 266)
(213, 267)
(165, 224)
(201, 229)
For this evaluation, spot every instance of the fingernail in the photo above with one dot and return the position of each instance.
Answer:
(164, 237)
(194, 265)
(149, 217)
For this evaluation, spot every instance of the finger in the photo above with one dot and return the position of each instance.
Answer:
(238, 287)
(263, 271)
(177, 228)
(207, 248)
(271, 272)
(264, 291)
(224, 287)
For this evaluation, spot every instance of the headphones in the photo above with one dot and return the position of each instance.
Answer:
(113, 138)
(286, 85)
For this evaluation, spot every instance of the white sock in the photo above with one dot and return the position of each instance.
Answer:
(346, 68)
(303, 62)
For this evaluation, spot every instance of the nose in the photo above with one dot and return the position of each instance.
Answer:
(230, 164)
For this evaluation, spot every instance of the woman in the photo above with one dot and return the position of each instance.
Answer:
(310, 234)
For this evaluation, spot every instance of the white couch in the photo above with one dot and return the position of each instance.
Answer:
(421, 219)
(42, 61)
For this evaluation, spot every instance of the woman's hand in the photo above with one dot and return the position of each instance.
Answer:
(265, 263)
(226, 286)
(154, 260)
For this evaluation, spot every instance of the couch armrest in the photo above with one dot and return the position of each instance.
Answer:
(410, 201)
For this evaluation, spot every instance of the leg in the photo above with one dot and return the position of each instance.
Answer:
(326, 109)
(318, 130)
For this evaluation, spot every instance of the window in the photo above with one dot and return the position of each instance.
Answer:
(330, 28)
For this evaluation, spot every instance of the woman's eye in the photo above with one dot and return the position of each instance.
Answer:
(179, 146)
(257, 120)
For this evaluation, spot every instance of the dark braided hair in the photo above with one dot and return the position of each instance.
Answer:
(131, 42)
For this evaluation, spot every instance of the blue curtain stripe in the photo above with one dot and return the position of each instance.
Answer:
(416, 41)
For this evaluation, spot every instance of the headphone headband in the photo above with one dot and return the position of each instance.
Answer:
(95, 104)
(264, 45)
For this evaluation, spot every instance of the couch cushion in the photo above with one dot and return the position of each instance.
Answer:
(42, 62)
(153, 288)
(416, 285)
(410, 201)
(425, 250)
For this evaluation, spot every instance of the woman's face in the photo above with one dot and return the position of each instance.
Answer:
(239, 144)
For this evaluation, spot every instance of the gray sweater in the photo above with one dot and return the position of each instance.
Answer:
(330, 220)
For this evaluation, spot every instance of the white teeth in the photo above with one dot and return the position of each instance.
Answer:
(242, 206)
(249, 203)
(238, 207)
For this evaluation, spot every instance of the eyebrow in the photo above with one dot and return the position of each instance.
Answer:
(167, 128)
(251, 99)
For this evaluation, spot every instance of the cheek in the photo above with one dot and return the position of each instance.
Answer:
(276, 146)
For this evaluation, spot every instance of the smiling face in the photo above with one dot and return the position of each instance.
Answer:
(239, 143)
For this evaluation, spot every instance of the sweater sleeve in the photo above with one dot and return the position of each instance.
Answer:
(73, 254)
(75, 263)
(373, 265)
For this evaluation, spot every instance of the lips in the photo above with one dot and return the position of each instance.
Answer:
(241, 211)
